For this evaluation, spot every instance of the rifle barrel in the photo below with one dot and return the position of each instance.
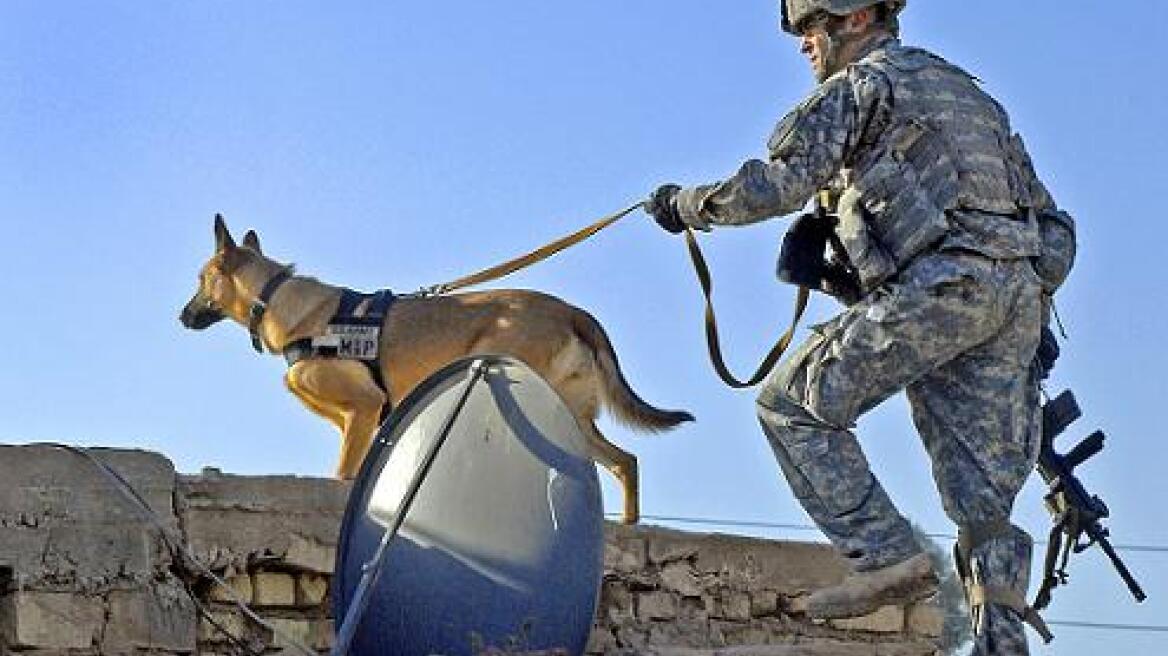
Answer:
(1120, 567)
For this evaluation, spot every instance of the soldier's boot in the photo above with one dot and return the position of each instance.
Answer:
(862, 593)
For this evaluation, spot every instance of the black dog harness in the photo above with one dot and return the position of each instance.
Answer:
(353, 333)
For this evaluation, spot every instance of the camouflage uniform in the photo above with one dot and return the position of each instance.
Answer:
(936, 199)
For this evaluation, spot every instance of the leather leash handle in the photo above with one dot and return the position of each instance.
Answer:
(776, 352)
(538, 255)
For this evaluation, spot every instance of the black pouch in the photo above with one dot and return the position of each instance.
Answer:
(801, 257)
(803, 262)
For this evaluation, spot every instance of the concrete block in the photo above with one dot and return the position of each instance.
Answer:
(925, 619)
(656, 606)
(311, 589)
(754, 563)
(909, 648)
(273, 589)
(616, 603)
(230, 520)
(63, 522)
(632, 640)
(625, 555)
(764, 603)
(284, 629)
(736, 606)
(668, 548)
(160, 618)
(226, 623)
(887, 619)
(692, 610)
(680, 577)
(50, 620)
(310, 554)
(712, 605)
(240, 584)
(323, 635)
(312, 633)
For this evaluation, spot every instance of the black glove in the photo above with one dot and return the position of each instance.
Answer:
(662, 206)
(1048, 352)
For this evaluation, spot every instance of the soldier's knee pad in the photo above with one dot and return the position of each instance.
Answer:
(993, 561)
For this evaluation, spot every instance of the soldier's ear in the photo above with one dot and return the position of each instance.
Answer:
(223, 240)
(252, 240)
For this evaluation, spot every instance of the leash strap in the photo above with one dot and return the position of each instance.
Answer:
(537, 255)
(776, 352)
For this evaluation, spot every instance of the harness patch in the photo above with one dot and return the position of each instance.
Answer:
(351, 341)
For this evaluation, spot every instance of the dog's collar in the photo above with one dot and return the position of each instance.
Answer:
(260, 306)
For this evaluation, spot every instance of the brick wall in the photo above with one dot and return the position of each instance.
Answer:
(82, 572)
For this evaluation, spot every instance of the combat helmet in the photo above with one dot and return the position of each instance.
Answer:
(797, 11)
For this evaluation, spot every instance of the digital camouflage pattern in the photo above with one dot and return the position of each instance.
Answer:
(958, 333)
(903, 182)
(953, 321)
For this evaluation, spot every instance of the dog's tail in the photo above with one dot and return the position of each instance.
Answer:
(620, 398)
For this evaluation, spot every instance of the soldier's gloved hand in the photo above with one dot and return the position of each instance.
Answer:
(662, 206)
(801, 256)
(1048, 352)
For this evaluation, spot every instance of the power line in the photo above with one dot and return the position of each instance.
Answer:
(1147, 628)
(738, 523)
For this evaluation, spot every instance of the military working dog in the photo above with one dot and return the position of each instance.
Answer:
(418, 335)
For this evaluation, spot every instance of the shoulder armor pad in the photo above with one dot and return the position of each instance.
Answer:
(788, 125)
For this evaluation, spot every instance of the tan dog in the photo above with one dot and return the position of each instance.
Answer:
(564, 344)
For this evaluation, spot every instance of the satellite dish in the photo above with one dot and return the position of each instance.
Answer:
(475, 522)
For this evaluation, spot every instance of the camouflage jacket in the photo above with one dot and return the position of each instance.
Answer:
(839, 134)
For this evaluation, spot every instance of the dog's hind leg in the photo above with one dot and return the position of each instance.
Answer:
(573, 372)
(621, 463)
(578, 392)
(343, 392)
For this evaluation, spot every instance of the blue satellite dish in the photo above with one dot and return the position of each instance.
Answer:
(475, 522)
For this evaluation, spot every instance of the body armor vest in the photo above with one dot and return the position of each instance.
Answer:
(945, 172)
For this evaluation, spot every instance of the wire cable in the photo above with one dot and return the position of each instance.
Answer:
(1147, 628)
(738, 523)
(180, 552)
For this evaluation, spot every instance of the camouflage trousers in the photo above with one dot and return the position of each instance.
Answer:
(957, 332)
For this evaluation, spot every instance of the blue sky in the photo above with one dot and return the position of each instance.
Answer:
(405, 144)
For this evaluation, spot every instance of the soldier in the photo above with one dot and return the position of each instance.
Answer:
(940, 220)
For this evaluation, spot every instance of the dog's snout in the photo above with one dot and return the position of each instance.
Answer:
(198, 316)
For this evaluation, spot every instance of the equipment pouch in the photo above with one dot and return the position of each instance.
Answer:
(801, 257)
(1057, 233)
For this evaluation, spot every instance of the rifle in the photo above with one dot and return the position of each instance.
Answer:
(1075, 512)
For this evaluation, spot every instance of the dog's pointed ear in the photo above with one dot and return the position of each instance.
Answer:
(252, 240)
(223, 240)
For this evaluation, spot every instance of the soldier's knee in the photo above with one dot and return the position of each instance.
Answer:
(780, 409)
